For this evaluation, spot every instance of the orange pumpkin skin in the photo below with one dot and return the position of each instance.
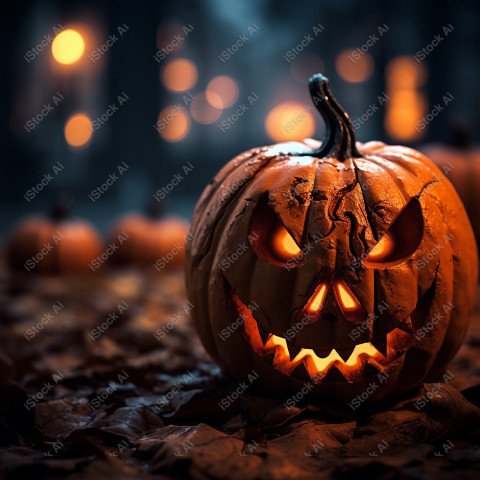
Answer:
(148, 240)
(50, 246)
(337, 204)
(462, 167)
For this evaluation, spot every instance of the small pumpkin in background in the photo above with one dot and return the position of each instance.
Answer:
(53, 244)
(150, 239)
(459, 159)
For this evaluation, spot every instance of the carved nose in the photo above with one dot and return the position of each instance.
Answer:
(346, 300)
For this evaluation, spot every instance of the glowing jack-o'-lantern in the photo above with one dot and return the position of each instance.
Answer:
(332, 263)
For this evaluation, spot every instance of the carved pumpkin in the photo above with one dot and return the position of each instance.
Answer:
(150, 239)
(343, 266)
(53, 245)
(460, 161)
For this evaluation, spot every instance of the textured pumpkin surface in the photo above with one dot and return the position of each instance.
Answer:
(370, 276)
(462, 167)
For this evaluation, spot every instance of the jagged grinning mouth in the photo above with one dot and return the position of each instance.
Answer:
(317, 367)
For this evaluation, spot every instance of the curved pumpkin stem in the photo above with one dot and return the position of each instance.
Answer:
(339, 140)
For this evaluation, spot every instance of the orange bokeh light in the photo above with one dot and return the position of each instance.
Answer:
(173, 124)
(68, 46)
(222, 91)
(283, 244)
(78, 130)
(404, 109)
(405, 73)
(289, 121)
(202, 111)
(179, 75)
(354, 68)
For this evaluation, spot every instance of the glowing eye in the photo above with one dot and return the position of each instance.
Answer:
(401, 240)
(316, 300)
(283, 244)
(346, 298)
(383, 250)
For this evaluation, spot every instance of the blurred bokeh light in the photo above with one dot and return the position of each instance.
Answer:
(78, 130)
(289, 121)
(173, 124)
(354, 68)
(179, 75)
(68, 47)
(222, 92)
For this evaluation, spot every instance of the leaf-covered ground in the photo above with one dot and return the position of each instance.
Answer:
(104, 378)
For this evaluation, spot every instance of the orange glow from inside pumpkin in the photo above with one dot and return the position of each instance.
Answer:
(316, 301)
(317, 367)
(283, 244)
(345, 297)
(383, 249)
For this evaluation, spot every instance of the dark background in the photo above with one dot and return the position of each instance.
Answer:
(258, 66)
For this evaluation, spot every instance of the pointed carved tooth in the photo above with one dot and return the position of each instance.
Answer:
(301, 373)
(293, 349)
(380, 343)
(345, 353)
(334, 375)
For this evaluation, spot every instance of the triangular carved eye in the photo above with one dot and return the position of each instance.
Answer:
(270, 240)
(282, 243)
(401, 239)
